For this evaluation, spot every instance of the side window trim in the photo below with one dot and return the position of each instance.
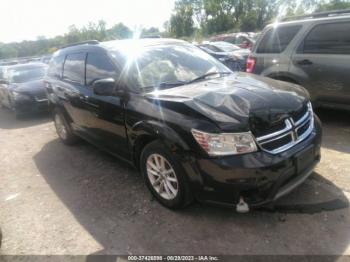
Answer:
(63, 66)
(105, 56)
(268, 31)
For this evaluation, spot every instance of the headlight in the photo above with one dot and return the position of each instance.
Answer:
(20, 96)
(222, 59)
(225, 143)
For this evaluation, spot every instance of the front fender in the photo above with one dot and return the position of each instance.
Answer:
(157, 130)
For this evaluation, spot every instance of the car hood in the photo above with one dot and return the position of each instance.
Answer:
(35, 88)
(238, 101)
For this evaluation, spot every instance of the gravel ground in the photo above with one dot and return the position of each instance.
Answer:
(56, 199)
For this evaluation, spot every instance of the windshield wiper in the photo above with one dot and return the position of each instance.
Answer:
(207, 75)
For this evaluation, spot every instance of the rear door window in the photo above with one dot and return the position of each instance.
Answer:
(74, 68)
(331, 38)
(98, 66)
(277, 39)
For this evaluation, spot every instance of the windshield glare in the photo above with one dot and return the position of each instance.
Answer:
(159, 65)
(26, 75)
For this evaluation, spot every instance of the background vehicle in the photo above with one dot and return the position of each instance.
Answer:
(185, 120)
(45, 59)
(313, 51)
(231, 55)
(22, 88)
(241, 53)
(243, 40)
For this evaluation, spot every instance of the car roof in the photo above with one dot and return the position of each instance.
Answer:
(143, 42)
(119, 44)
(310, 20)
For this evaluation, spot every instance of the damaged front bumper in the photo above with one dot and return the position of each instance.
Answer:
(259, 178)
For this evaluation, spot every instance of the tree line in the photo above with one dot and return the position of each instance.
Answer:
(96, 31)
(208, 17)
(193, 19)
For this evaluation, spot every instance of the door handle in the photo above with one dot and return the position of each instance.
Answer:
(304, 62)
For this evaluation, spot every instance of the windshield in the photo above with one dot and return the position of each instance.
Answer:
(212, 48)
(167, 66)
(22, 75)
(227, 47)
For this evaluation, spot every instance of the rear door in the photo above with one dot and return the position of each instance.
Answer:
(323, 57)
(72, 90)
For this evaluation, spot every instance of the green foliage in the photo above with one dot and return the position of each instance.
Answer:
(119, 31)
(216, 16)
(153, 31)
(181, 23)
(333, 5)
(41, 46)
(191, 20)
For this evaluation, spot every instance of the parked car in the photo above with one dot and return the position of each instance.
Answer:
(192, 127)
(243, 40)
(22, 88)
(45, 59)
(313, 51)
(241, 53)
(232, 61)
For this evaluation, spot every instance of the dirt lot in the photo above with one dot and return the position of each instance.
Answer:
(56, 199)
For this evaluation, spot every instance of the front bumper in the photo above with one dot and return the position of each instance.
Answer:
(30, 105)
(259, 177)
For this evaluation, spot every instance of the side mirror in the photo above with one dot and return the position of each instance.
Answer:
(4, 82)
(104, 87)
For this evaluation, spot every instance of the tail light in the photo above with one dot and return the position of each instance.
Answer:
(250, 64)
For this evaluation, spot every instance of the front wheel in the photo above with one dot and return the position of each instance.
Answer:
(164, 176)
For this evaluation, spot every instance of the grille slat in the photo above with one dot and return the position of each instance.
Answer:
(295, 130)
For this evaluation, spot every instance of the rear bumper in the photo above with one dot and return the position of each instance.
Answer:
(261, 178)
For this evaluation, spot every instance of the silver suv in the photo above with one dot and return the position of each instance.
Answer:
(313, 51)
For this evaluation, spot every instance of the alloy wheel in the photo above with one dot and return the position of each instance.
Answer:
(162, 176)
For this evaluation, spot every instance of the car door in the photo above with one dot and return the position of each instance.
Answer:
(323, 59)
(72, 91)
(106, 119)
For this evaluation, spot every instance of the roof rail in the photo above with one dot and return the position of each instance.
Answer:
(89, 42)
(317, 15)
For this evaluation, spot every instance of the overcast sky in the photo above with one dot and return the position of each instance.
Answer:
(27, 19)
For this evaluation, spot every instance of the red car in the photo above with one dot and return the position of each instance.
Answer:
(240, 39)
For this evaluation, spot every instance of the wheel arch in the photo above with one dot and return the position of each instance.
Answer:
(284, 77)
(145, 132)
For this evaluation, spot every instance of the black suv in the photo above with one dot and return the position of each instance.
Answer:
(195, 129)
(313, 51)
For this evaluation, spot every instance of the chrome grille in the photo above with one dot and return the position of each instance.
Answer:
(294, 131)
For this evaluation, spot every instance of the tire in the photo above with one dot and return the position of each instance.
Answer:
(173, 177)
(63, 129)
